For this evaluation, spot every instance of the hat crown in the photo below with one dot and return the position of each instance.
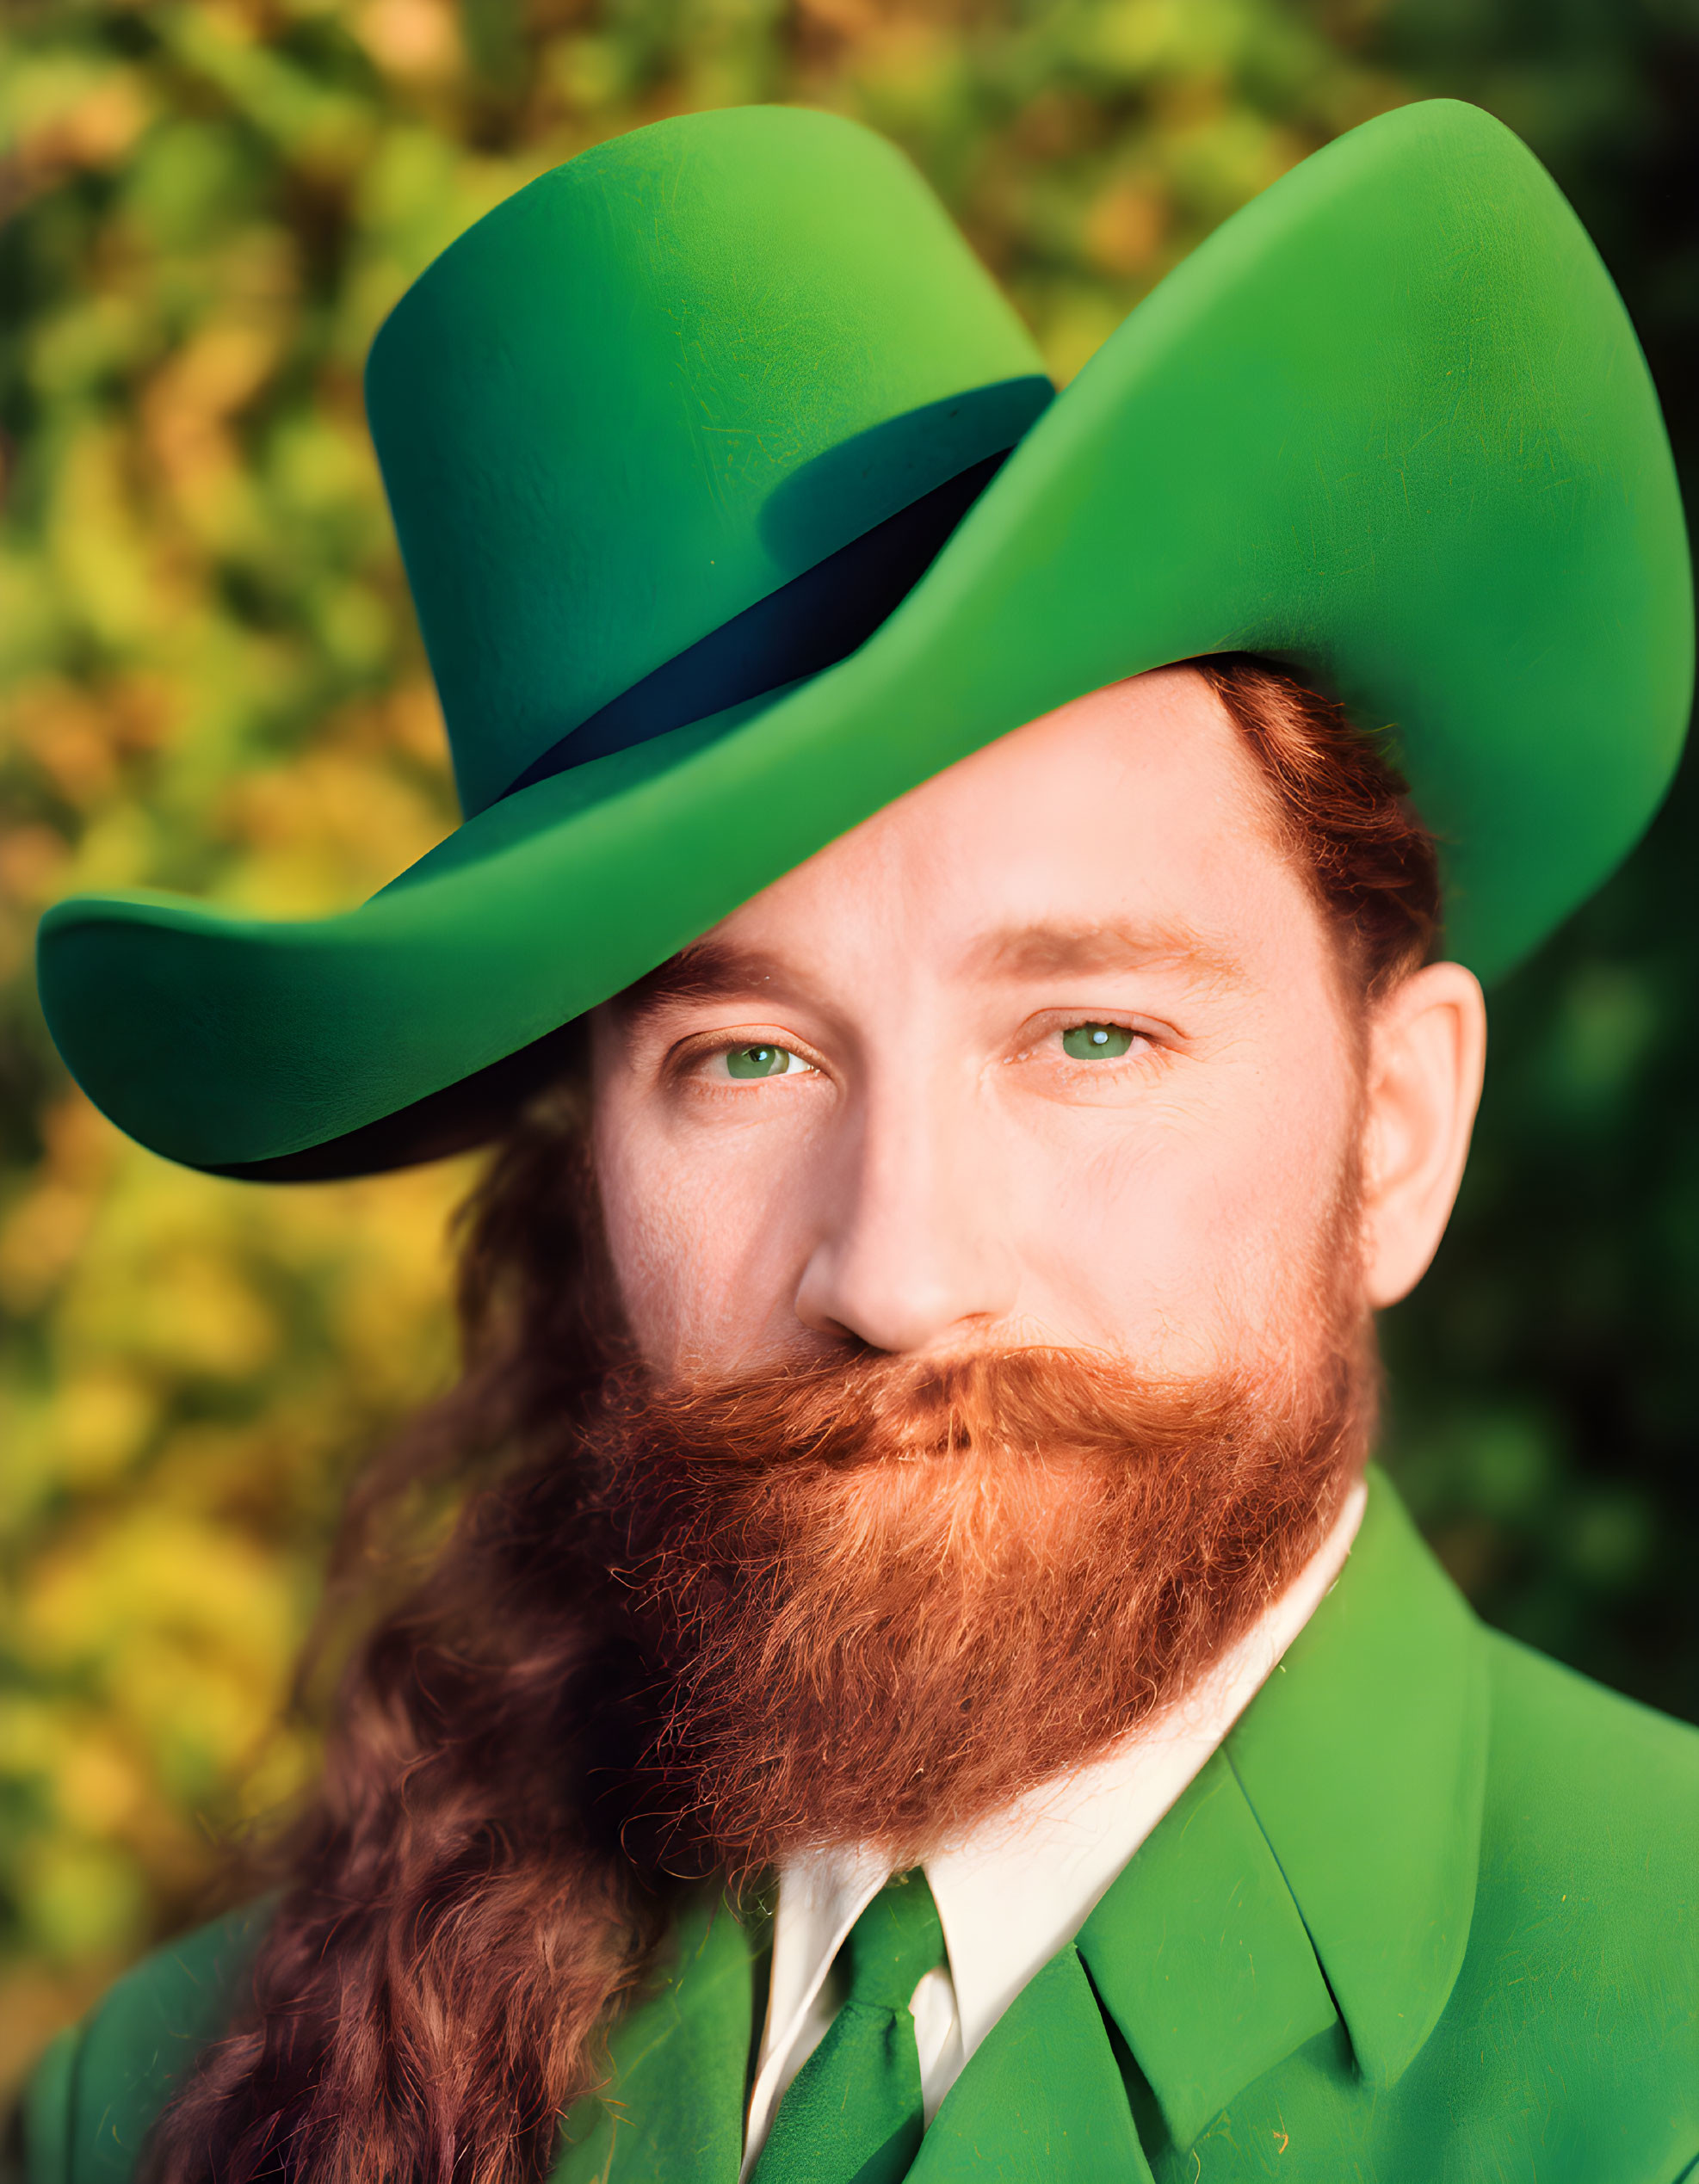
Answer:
(659, 384)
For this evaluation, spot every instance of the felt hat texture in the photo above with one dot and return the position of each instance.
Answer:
(735, 503)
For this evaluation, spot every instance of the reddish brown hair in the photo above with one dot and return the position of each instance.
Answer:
(469, 1896)
(1343, 809)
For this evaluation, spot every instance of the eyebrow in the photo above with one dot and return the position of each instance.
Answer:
(1067, 951)
(711, 970)
(708, 969)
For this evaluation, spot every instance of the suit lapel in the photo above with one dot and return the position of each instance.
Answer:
(674, 2112)
(1042, 2100)
(1364, 1760)
(1200, 1958)
(1322, 1866)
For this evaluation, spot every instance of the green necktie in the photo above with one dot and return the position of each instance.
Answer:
(852, 2115)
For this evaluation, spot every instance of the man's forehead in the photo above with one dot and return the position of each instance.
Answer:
(1128, 830)
(719, 968)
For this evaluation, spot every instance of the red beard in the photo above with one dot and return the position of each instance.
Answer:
(884, 1598)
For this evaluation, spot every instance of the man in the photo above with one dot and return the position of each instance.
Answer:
(920, 1684)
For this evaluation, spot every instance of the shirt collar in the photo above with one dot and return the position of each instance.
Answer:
(1322, 1866)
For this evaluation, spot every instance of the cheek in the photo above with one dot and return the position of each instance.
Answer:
(635, 1219)
(1175, 1233)
(706, 1248)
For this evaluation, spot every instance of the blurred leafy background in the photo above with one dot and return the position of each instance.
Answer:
(212, 681)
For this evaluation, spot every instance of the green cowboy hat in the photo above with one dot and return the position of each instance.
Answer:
(699, 453)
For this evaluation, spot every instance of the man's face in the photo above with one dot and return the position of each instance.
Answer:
(1053, 1051)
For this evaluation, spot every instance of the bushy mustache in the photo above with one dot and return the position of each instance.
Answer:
(882, 1597)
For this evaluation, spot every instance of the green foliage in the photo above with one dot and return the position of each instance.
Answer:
(213, 683)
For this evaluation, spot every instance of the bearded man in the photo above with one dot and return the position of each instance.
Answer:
(923, 1681)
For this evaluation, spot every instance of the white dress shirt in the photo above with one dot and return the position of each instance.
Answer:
(1020, 1885)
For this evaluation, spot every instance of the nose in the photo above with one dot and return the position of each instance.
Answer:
(911, 1258)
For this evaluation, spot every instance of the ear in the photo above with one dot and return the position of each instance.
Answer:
(1426, 1054)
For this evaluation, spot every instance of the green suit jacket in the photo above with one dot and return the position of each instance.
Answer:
(1428, 1914)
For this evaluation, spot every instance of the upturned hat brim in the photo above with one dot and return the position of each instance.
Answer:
(1389, 424)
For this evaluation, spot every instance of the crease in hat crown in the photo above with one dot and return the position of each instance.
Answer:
(657, 385)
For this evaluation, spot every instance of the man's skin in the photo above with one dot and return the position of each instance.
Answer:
(930, 1170)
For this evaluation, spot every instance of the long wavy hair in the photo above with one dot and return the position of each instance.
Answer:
(473, 1894)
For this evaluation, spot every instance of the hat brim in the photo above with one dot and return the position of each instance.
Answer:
(1389, 424)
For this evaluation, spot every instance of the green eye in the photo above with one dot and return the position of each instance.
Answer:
(759, 1061)
(1096, 1042)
